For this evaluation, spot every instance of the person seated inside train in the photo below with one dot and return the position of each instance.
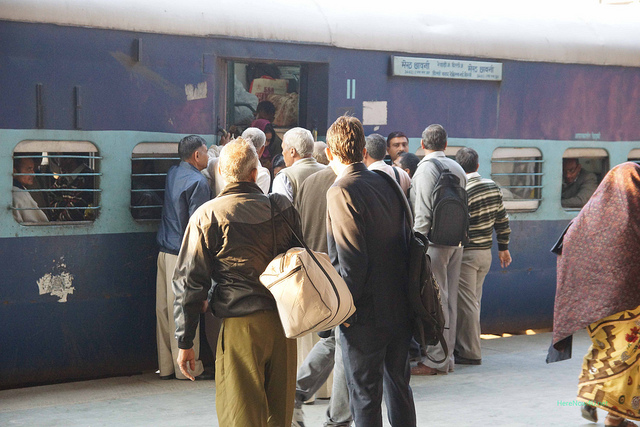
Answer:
(75, 176)
(27, 210)
(578, 185)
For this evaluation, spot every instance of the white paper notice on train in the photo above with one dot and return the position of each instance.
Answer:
(445, 68)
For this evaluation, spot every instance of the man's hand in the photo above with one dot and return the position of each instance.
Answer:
(184, 357)
(505, 258)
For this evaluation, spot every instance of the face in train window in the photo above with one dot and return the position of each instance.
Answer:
(582, 171)
(518, 172)
(55, 186)
(149, 165)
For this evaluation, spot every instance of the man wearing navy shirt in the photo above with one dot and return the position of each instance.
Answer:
(186, 189)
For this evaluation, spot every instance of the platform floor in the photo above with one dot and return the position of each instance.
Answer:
(513, 387)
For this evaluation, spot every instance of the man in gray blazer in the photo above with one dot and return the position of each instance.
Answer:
(368, 244)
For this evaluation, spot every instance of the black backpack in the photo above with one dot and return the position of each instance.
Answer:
(423, 291)
(450, 217)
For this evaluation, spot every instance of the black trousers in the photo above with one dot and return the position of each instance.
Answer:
(377, 360)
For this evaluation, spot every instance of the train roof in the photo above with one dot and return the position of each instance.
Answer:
(566, 31)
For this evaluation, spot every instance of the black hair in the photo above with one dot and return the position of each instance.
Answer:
(188, 145)
(267, 107)
(408, 161)
(396, 134)
(278, 161)
(468, 159)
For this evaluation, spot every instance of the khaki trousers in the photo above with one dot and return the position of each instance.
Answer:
(475, 266)
(165, 322)
(255, 372)
(445, 263)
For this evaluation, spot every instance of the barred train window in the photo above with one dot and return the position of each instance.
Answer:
(634, 155)
(150, 162)
(582, 171)
(518, 172)
(55, 181)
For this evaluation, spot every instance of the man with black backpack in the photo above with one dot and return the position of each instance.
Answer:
(441, 213)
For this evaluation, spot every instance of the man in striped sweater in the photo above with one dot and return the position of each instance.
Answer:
(487, 213)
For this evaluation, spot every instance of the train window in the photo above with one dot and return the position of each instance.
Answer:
(634, 155)
(451, 151)
(518, 171)
(150, 162)
(55, 181)
(251, 83)
(582, 171)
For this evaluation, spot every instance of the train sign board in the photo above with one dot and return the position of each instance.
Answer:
(445, 68)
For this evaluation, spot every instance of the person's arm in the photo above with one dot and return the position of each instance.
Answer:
(423, 183)
(191, 284)
(347, 243)
(282, 185)
(264, 180)
(200, 195)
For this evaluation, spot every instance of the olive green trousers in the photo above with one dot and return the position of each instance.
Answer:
(255, 372)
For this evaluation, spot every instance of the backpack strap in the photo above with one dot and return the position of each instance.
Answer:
(439, 165)
(395, 171)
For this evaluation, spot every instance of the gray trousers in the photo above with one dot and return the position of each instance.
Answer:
(474, 268)
(445, 262)
(325, 356)
(377, 363)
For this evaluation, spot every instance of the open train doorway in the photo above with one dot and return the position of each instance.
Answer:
(285, 94)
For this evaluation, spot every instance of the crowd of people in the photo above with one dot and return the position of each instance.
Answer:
(219, 231)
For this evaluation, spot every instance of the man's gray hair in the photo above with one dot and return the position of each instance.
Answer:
(254, 136)
(319, 152)
(300, 139)
(434, 138)
(376, 146)
(237, 159)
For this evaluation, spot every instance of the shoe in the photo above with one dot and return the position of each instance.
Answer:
(589, 413)
(168, 377)
(422, 369)
(298, 418)
(464, 361)
(206, 376)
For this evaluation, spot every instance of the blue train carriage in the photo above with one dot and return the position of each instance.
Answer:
(102, 92)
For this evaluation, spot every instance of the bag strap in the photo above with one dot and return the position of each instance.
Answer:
(439, 165)
(403, 199)
(304, 245)
(395, 171)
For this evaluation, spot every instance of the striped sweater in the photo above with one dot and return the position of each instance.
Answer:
(486, 212)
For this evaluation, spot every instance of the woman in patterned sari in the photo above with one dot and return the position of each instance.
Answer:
(599, 288)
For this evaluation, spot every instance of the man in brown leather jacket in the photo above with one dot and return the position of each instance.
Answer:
(227, 245)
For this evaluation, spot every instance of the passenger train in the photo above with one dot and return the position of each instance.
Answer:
(103, 90)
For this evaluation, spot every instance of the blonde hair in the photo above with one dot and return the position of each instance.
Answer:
(345, 139)
(237, 159)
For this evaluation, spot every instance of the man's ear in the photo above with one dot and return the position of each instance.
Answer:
(329, 154)
(254, 175)
(422, 144)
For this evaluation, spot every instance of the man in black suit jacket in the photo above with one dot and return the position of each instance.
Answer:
(368, 244)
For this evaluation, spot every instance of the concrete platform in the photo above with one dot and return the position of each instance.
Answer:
(513, 387)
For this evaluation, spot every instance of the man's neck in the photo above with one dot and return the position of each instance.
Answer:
(338, 167)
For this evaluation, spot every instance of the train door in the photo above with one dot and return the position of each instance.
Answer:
(285, 94)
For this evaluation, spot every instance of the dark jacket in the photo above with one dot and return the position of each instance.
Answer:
(185, 191)
(228, 243)
(368, 245)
